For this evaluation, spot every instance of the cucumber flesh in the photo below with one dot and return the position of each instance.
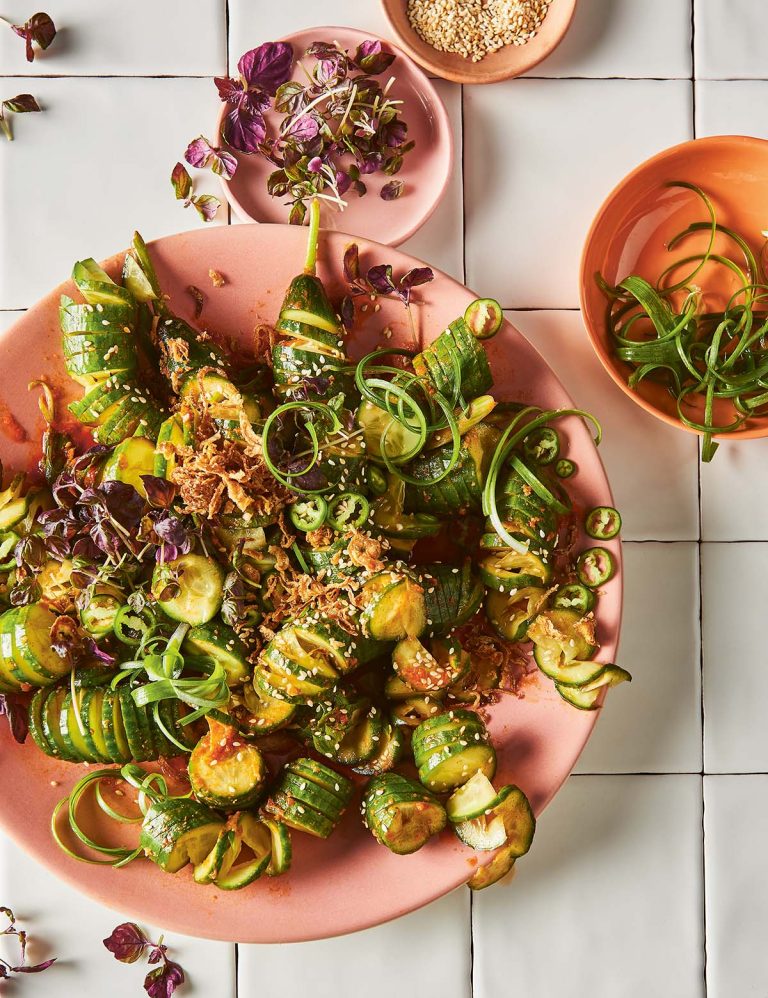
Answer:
(472, 800)
(201, 582)
(501, 864)
(482, 834)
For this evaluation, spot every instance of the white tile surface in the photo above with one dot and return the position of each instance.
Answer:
(622, 38)
(541, 156)
(440, 240)
(733, 636)
(71, 927)
(654, 725)
(652, 467)
(736, 828)
(427, 953)
(732, 107)
(729, 39)
(252, 22)
(608, 902)
(733, 490)
(94, 166)
(173, 38)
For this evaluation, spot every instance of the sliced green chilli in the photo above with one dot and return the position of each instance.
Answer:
(543, 445)
(595, 567)
(565, 468)
(603, 523)
(484, 317)
(348, 511)
(309, 513)
(574, 597)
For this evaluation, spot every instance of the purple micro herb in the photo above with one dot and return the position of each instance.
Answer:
(127, 943)
(377, 282)
(206, 205)
(38, 30)
(20, 104)
(22, 967)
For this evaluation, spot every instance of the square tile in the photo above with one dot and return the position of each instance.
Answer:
(92, 168)
(71, 927)
(541, 156)
(608, 902)
(251, 23)
(429, 949)
(733, 489)
(735, 696)
(143, 38)
(654, 725)
(729, 39)
(735, 832)
(732, 107)
(439, 242)
(621, 38)
(643, 457)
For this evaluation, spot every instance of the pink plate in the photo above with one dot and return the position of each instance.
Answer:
(348, 882)
(426, 169)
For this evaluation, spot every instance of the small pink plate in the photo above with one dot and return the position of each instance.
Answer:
(425, 172)
(348, 882)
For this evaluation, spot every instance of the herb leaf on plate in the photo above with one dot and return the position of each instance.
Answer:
(39, 29)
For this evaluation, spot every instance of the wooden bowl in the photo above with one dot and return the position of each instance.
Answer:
(630, 233)
(507, 62)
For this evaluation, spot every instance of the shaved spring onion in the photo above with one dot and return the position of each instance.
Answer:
(151, 787)
(513, 436)
(287, 478)
(162, 663)
(714, 354)
(405, 399)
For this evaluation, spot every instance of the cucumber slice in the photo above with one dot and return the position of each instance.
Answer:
(177, 831)
(201, 582)
(91, 708)
(509, 571)
(138, 732)
(501, 864)
(514, 809)
(451, 766)
(225, 771)
(585, 697)
(510, 616)
(400, 814)
(266, 713)
(77, 738)
(220, 643)
(51, 723)
(129, 461)
(302, 817)
(474, 799)
(257, 836)
(574, 673)
(415, 710)
(564, 633)
(220, 859)
(114, 730)
(481, 833)
(399, 441)
(311, 794)
(280, 861)
(391, 747)
(397, 612)
(324, 776)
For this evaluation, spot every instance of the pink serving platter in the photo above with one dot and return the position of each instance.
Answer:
(348, 882)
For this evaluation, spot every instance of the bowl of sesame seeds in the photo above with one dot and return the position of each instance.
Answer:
(479, 41)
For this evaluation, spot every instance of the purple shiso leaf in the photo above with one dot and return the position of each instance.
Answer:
(126, 942)
(245, 128)
(304, 129)
(267, 66)
(371, 58)
(17, 715)
(352, 263)
(380, 279)
(392, 190)
(181, 182)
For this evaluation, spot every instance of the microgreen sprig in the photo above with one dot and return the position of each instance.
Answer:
(206, 205)
(39, 29)
(22, 967)
(20, 104)
(377, 282)
(127, 943)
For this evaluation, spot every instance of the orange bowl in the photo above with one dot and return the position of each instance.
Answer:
(630, 234)
(507, 62)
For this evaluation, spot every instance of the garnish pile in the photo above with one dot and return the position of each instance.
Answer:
(669, 332)
(333, 127)
(241, 574)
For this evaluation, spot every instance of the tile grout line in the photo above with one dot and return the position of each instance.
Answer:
(701, 595)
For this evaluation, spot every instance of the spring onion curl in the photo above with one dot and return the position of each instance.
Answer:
(286, 478)
(524, 423)
(151, 787)
(162, 663)
(663, 332)
(396, 397)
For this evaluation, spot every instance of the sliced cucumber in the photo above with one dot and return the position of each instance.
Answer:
(475, 798)
(177, 831)
(451, 766)
(129, 461)
(201, 584)
(401, 814)
(220, 643)
(225, 771)
(501, 864)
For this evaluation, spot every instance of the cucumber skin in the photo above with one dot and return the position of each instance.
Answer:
(167, 821)
(384, 795)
